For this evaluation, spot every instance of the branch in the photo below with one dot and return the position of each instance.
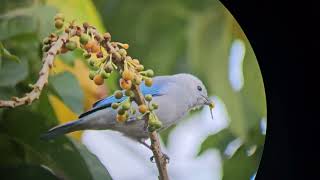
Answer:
(34, 94)
(155, 143)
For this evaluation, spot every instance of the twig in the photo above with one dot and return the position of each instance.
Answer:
(34, 94)
(155, 143)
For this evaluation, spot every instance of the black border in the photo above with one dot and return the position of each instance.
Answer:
(277, 31)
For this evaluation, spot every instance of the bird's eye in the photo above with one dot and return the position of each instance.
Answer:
(199, 88)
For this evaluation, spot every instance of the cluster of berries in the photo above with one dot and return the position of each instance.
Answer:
(104, 57)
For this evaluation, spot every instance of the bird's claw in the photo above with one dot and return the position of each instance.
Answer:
(166, 157)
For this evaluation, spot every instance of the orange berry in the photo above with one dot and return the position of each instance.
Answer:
(121, 118)
(143, 108)
(95, 48)
(127, 75)
(98, 79)
(89, 45)
(125, 84)
(126, 46)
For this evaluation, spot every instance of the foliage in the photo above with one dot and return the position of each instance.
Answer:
(196, 37)
(171, 36)
(23, 24)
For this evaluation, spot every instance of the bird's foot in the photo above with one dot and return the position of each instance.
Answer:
(165, 156)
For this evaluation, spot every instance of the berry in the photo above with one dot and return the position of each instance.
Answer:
(149, 73)
(118, 94)
(143, 108)
(154, 105)
(95, 48)
(121, 118)
(115, 105)
(129, 93)
(148, 97)
(126, 46)
(135, 61)
(107, 36)
(127, 75)
(92, 74)
(148, 82)
(71, 45)
(104, 74)
(98, 80)
(58, 23)
(108, 68)
(121, 111)
(140, 68)
(122, 52)
(125, 84)
(126, 105)
(84, 38)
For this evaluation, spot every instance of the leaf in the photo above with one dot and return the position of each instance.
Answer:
(22, 172)
(6, 54)
(98, 172)
(219, 141)
(12, 73)
(65, 157)
(240, 165)
(69, 90)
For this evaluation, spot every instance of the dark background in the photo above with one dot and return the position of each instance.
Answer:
(278, 35)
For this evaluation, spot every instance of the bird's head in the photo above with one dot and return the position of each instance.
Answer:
(196, 92)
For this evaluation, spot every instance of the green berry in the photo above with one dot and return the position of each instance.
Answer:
(71, 45)
(92, 74)
(149, 73)
(154, 105)
(121, 111)
(58, 23)
(118, 94)
(84, 38)
(104, 74)
(108, 68)
(91, 62)
(129, 93)
(115, 105)
(148, 97)
(126, 105)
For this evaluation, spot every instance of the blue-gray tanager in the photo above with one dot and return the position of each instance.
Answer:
(175, 95)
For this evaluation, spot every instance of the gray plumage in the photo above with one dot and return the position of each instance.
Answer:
(176, 95)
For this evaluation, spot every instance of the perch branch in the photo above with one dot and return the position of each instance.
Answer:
(155, 143)
(48, 58)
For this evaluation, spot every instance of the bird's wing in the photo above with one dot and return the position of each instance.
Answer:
(154, 90)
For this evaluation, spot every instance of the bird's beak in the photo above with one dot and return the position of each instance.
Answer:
(210, 103)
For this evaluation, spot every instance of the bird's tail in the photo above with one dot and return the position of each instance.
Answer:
(60, 130)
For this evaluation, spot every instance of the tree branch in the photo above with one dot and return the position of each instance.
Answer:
(34, 94)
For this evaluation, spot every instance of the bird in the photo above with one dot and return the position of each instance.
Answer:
(176, 95)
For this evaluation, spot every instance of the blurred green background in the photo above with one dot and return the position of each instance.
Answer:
(167, 36)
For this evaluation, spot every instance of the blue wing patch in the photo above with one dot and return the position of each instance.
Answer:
(154, 90)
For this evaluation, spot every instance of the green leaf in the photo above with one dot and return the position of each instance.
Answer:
(4, 53)
(12, 73)
(240, 165)
(219, 140)
(22, 172)
(65, 157)
(71, 56)
(98, 172)
(69, 90)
